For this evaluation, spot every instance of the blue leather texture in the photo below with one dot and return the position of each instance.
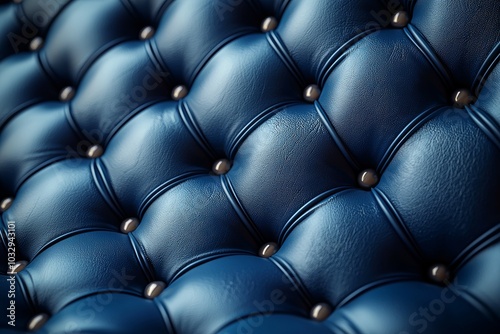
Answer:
(262, 207)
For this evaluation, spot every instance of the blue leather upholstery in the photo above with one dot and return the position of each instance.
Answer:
(381, 197)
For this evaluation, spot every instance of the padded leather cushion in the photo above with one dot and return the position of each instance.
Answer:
(386, 104)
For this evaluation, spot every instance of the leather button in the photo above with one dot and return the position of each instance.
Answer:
(18, 266)
(38, 321)
(462, 98)
(179, 92)
(221, 167)
(147, 33)
(154, 289)
(321, 311)
(95, 151)
(312, 93)
(67, 94)
(270, 23)
(129, 225)
(5, 204)
(268, 250)
(368, 178)
(400, 19)
(36, 44)
(439, 273)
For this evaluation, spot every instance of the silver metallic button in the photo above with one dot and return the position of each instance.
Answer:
(179, 92)
(270, 23)
(67, 94)
(312, 93)
(38, 321)
(462, 98)
(147, 33)
(268, 250)
(17, 267)
(368, 178)
(129, 225)
(439, 273)
(321, 311)
(154, 289)
(95, 151)
(36, 43)
(5, 204)
(400, 19)
(221, 167)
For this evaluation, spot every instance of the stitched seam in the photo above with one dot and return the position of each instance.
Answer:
(406, 134)
(142, 258)
(283, 7)
(375, 284)
(339, 55)
(166, 186)
(486, 68)
(67, 235)
(104, 188)
(336, 137)
(482, 307)
(293, 278)
(485, 123)
(482, 242)
(282, 52)
(162, 10)
(251, 126)
(306, 210)
(398, 225)
(125, 119)
(245, 218)
(211, 54)
(96, 56)
(204, 258)
(35, 170)
(195, 130)
(167, 319)
(430, 54)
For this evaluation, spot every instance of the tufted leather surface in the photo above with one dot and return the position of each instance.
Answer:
(364, 253)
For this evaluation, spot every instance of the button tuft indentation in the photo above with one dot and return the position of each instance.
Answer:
(154, 289)
(268, 250)
(321, 311)
(38, 321)
(368, 178)
(270, 23)
(147, 33)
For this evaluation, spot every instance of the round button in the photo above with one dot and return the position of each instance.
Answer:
(147, 33)
(312, 93)
(221, 167)
(95, 151)
(321, 311)
(400, 19)
(270, 23)
(462, 98)
(439, 273)
(36, 44)
(129, 225)
(5, 204)
(179, 92)
(154, 289)
(268, 250)
(67, 94)
(17, 267)
(38, 321)
(368, 178)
